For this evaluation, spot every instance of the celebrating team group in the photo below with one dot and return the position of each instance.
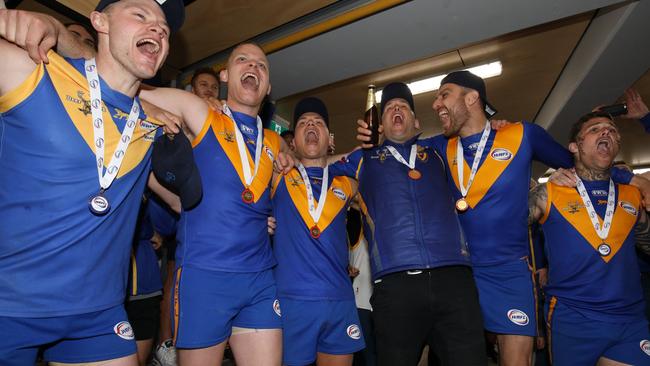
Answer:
(446, 218)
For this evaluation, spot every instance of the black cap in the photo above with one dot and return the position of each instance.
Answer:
(311, 104)
(396, 90)
(174, 11)
(172, 162)
(468, 80)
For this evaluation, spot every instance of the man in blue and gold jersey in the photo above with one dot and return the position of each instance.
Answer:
(489, 174)
(224, 286)
(69, 188)
(319, 316)
(424, 291)
(596, 310)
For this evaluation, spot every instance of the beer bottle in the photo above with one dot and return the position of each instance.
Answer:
(372, 116)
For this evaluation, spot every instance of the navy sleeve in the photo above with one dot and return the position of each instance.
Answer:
(348, 166)
(162, 218)
(620, 175)
(545, 149)
(437, 143)
(645, 121)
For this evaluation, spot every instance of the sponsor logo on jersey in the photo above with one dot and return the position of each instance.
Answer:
(149, 127)
(354, 332)
(247, 130)
(276, 307)
(338, 192)
(645, 346)
(501, 154)
(473, 147)
(628, 207)
(599, 192)
(518, 317)
(123, 330)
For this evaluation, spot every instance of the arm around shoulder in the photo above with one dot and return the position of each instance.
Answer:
(537, 200)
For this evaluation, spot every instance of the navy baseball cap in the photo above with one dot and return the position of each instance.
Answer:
(174, 11)
(172, 162)
(468, 80)
(311, 104)
(396, 90)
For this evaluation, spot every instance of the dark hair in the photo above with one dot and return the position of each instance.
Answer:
(204, 70)
(287, 132)
(90, 30)
(577, 127)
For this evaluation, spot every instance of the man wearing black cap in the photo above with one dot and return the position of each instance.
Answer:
(491, 197)
(319, 316)
(75, 157)
(424, 291)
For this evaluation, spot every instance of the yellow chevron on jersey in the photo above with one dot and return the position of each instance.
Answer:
(568, 203)
(76, 101)
(507, 142)
(338, 195)
(224, 130)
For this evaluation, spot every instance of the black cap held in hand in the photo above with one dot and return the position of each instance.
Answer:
(172, 162)
(174, 11)
(310, 104)
(468, 80)
(396, 90)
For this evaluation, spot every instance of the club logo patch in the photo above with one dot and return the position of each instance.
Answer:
(123, 330)
(518, 317)
(354, 332)
(276, 307)
(338, 192)
(501, 154)
(645, 346)
(628, 207)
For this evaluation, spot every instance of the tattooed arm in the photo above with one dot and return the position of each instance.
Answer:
(537, 203)
(642, 232)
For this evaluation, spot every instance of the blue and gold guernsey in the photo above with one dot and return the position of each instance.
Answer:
(309, 268)
(600, 287)
(496, 225)
(224, 233)
(56, 257)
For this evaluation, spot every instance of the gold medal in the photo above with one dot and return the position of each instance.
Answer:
(462, 205)
(415, 174)
(247, 196)
(315, 232)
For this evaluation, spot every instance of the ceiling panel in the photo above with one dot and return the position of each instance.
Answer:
(532, 60)
(215, 25)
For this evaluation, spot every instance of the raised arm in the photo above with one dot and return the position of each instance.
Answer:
(537, 198)
(189, 107)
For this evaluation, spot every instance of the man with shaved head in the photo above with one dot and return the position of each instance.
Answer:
(75, 161)
(224, 285)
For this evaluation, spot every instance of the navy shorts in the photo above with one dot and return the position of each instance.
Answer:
(97, 336)
(207, 304)
(507, 296)
(319, 326)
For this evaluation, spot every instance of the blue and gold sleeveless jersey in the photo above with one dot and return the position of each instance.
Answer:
(601, 287)
(496, 225)
(56, 257)
(309, 268)
(223, 232)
